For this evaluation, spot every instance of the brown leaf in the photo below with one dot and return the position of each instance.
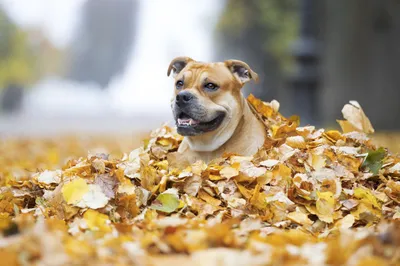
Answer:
(107, 184)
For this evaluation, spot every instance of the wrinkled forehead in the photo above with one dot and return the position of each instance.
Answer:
(199, 72)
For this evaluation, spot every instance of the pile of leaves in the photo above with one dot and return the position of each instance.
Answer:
(307, 197)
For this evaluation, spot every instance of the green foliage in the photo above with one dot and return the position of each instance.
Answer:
(166, 202)
(272, 23)
(374, 160)
(16, 58)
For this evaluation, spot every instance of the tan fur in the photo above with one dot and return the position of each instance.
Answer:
(240, 132)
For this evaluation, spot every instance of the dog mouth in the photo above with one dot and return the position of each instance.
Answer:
(189, 126)
(185, 120)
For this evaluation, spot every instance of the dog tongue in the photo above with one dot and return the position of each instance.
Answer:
(187, 122)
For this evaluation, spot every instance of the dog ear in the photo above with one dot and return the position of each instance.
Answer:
(241, 71)
(178, 64)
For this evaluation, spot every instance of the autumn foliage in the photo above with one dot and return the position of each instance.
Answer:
(308, 197)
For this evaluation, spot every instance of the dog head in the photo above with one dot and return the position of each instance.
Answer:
(208, 103)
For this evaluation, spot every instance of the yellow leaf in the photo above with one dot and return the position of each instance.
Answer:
(346, 126)
(282, 174)
(166, 142)
(162, 165)
(366, 196)
(209, 199)
(393, 190)
(5, 220)
(215, 177)
(258, 199)
(247, 194)
(367, 213)
(97, 221)
(299, 218)
(78, 248)
(333, 135)
(73, 191)
(325, 206)
(261, 107)
(369, 209)
(296, 142)
(279, 131)
(350, 162)
(317, 161)
(181, 204)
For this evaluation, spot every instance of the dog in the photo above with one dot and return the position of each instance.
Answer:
(210, 110)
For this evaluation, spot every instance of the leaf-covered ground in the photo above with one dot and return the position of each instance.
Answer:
(308, 197)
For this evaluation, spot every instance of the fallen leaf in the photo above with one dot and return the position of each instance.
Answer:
(165, 202)
(261, 107)
(107, 184)
(94, 198)
(299, 218)
(355, 115)
(296, 142)
(269, 163)
(374, 160)
(49, 177)
(346, 223)
(325, 206)
(228, 172)
(74, 190)
(366, 196)
(97, 221)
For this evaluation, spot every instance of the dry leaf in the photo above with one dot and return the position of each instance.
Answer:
(356, 117)
(307, 197)
(228, 172)
(107, 184)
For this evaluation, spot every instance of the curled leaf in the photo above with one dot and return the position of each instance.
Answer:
(356, 119)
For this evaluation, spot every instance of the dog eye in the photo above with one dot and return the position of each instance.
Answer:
(211, 86)
(179, 84)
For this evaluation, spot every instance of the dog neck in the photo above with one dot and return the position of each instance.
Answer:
(245, 139)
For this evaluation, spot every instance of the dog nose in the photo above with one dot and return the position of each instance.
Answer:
(184, 97)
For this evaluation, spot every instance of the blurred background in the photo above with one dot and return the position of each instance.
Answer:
(99, 66)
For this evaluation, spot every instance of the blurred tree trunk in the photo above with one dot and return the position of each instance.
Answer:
(361, 59)
(11, 98)
(17, 59)
(259, 32)
(104, 40)
(248, 46)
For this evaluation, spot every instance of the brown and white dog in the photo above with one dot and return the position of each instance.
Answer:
(210, 110)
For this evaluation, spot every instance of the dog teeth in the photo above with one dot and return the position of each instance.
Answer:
(187, 122)
(193, 122)
(183, 122)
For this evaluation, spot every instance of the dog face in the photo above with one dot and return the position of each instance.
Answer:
(208, 104)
